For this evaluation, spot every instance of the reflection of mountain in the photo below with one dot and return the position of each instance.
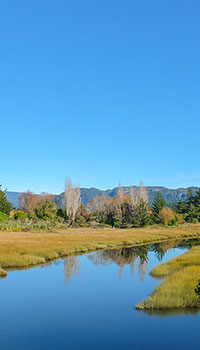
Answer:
(71, 267)
(122, 257)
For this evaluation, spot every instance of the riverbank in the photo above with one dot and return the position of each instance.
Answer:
(180, 279)
(24, 249)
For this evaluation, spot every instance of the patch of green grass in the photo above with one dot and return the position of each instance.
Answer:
(177, 289)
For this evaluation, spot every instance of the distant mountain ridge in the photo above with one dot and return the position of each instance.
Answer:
(87, 194)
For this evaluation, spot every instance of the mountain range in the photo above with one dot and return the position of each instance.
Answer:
(87, 194)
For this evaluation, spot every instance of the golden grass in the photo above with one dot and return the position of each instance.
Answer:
(191, 257)
(177, 289)
(23, 249)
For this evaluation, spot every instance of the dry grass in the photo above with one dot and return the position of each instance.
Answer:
(177, 289)
(190, 258)
(23, 249)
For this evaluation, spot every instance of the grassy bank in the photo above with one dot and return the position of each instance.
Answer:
(180, 279)
(23, 249)
(3, 273)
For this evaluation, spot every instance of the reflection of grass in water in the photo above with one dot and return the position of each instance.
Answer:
(169, 313)
(177, 289)
(23, 249)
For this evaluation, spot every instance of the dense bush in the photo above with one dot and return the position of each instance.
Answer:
(46, 210)
(81, 221)
(13, 225)
(167, 216)
(3, 217)
(20, 215)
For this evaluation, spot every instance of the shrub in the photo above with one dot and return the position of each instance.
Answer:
(46, 209)
(179, 218)
(13, 225)
(195, 221)
(167, 216)
(3, 217)
(80, 220)
(20, 215)
(117, 224)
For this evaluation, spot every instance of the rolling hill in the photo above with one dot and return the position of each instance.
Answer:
(87, 194)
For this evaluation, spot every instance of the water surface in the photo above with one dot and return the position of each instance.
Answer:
(87, 302)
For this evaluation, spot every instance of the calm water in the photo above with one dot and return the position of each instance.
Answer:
(87, 302)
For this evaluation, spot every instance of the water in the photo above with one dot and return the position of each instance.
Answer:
(87, 302)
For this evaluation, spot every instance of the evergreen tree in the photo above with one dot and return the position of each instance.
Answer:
(189, 196)
(158, 203)
(190, 208)
(141, 215)
(5, 205)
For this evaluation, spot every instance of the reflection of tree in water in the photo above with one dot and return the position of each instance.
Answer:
(122, 257)
(161, 248)
(71, 267)
(142, 268)
(133, 256)
(158, 251)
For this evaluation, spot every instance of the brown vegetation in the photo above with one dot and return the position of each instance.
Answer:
(21, 249)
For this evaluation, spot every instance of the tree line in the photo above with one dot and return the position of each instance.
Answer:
(121, 211)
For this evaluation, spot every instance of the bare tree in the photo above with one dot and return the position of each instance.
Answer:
(28, 201)
(118, 202)
(71, 267)
(99, 204)
(72, 198)
(120, 192)
(142, 194)
(132, 196)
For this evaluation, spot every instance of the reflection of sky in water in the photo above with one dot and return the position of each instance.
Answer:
(80, 303)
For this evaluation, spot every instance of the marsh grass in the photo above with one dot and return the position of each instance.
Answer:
(24, 249)
(191, 257)
(177, 289)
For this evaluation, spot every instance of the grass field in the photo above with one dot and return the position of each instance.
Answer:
(177, 289)
(23, 249)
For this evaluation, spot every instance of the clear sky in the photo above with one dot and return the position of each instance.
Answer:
(99, 90)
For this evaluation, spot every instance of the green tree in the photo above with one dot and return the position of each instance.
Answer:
(189, 196)
(189, 208)
(46, 209)
(5, 205)
(158, 204)
(141, 215)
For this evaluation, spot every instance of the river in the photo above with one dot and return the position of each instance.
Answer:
(87, 302)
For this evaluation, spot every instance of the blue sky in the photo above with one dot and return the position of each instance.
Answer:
(100, 91)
